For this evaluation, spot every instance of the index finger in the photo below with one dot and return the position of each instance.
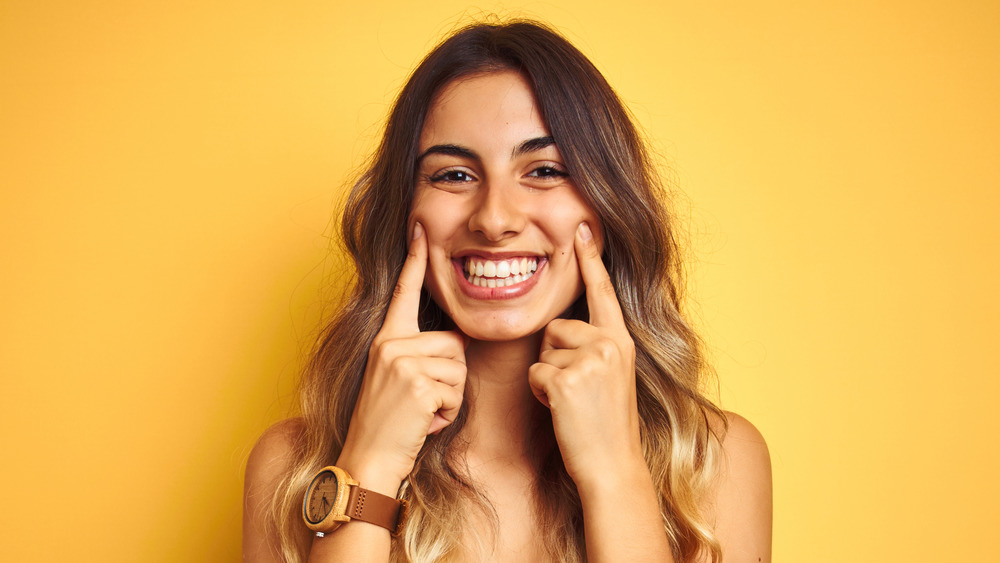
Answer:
(601, 297)
(401, 318)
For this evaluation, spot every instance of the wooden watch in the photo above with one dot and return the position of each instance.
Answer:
(334, 498)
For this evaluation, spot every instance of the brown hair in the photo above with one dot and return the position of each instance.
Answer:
(608, 162)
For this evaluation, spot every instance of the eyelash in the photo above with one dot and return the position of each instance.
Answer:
(551, 172)
(443, 176)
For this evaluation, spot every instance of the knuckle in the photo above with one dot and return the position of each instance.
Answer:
(413, 384)
(545, 357)
(456, 342)
(542, 376)
(560, 326)
(385, 347)
(457, 397)
(567, 382)
(535, 371)
(605, 348)
(418, 386)
(402, 367)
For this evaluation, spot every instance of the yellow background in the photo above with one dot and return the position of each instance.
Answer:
(168, 171)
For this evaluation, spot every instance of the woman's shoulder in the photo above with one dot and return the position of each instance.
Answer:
(746, 461)
(739, 437)
(741, 502)
(274, 454)
(270, 460)
(281, 435)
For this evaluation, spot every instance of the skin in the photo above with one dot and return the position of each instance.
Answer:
(490, 186)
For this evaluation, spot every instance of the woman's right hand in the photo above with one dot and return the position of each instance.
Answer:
(413, 386)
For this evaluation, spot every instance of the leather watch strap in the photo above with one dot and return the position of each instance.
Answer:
(376, 508)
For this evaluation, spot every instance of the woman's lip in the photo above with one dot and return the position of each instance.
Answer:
(462, 256)
(506, 292)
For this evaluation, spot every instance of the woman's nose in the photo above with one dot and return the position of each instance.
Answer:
(498, 214)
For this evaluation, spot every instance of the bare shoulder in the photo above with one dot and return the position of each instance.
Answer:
(274, 450)
(741, 503)
(743, 443)
(269, 461)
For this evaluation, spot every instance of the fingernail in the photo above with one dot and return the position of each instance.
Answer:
(418, 230)
(585, 234)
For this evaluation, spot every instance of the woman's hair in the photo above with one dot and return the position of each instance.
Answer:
(608, 162)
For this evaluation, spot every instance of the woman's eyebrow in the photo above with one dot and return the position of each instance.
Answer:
(532, 145)
(449, 150)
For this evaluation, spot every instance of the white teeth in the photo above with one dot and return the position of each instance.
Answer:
(499, 273)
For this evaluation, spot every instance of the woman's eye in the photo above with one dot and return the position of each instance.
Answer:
(452, 176)
(547, 172)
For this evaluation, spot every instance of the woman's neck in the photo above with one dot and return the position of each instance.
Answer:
(502, 406)
(499, 434)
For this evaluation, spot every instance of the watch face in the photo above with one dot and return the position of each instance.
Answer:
(322, 494)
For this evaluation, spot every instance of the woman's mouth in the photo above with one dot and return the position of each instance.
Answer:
(499, 273)
(497, 277)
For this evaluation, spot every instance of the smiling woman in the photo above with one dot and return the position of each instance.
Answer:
(511, 377)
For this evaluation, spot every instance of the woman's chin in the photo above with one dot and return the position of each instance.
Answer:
(499, 330)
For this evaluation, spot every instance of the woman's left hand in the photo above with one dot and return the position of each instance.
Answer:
(586, 376)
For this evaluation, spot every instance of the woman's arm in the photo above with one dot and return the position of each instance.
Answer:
(269, 461)
(413, 386)
(585, 375)
(621, 517)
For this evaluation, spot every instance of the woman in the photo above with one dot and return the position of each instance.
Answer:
(511, 360)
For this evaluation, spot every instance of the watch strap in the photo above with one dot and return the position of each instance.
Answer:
(376, 508)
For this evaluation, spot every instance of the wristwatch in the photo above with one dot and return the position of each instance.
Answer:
(334, 498)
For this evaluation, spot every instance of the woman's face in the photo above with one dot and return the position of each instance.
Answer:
(499, 211)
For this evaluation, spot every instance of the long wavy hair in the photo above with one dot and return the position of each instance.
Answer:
(609, 164)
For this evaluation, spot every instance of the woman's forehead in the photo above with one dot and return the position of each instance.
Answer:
(484, 109)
